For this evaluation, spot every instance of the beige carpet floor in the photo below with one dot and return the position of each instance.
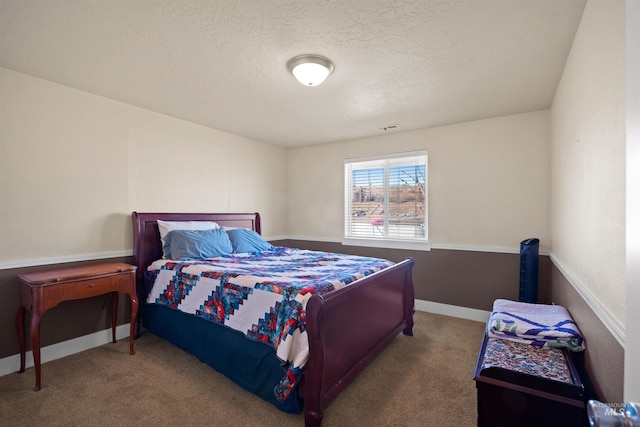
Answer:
(424, 380)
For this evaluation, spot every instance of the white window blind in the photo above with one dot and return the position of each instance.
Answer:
(386, 198)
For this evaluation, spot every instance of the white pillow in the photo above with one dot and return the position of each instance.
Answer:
(166, 226)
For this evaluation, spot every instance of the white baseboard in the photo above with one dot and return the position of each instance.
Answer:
(11, 364)
(453, 310)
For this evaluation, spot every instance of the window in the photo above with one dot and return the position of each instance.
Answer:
(386, 201)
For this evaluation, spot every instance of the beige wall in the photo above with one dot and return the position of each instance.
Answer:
(488, 181)
(73, 166)
(588, 159)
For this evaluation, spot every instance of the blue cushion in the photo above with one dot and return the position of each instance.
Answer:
(245, 240)
(184, 245)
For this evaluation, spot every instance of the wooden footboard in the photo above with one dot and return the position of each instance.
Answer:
(348, 327)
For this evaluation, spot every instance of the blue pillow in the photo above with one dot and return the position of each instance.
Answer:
(245, 240)
(184, 245)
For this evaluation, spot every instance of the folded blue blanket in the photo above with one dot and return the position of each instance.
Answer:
(541, 325)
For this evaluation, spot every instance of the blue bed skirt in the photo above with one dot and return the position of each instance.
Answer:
(251, 364)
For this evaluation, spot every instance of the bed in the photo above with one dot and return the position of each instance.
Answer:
(345, 328)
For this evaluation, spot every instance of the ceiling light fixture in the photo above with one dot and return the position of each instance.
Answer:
(310, 70)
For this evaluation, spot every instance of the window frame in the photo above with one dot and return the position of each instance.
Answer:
(385, 241)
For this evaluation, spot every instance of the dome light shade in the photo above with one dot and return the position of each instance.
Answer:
(310, 70)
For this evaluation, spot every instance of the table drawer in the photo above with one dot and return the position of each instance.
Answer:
(87, 288)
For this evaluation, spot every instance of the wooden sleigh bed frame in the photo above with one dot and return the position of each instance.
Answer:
(346, 328)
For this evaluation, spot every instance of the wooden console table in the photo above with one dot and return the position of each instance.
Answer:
(42, 290)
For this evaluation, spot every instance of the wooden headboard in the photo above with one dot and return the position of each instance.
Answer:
(146, 237)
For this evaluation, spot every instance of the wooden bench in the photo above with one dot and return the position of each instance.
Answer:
(524, 385)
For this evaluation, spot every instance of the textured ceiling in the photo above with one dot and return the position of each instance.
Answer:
(222, 63)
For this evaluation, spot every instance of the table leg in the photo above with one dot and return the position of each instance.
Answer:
(35, 345)
(134, 319)
(114, 315)
(21, 340)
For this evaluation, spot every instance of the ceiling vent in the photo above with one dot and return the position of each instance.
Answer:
(387, 128)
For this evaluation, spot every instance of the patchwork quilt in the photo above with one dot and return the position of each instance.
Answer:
(541, 325)
(263, 295)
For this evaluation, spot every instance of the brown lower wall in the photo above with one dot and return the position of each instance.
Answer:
(469, 279)
(68, 320)
(604, 356)
(461, 278)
